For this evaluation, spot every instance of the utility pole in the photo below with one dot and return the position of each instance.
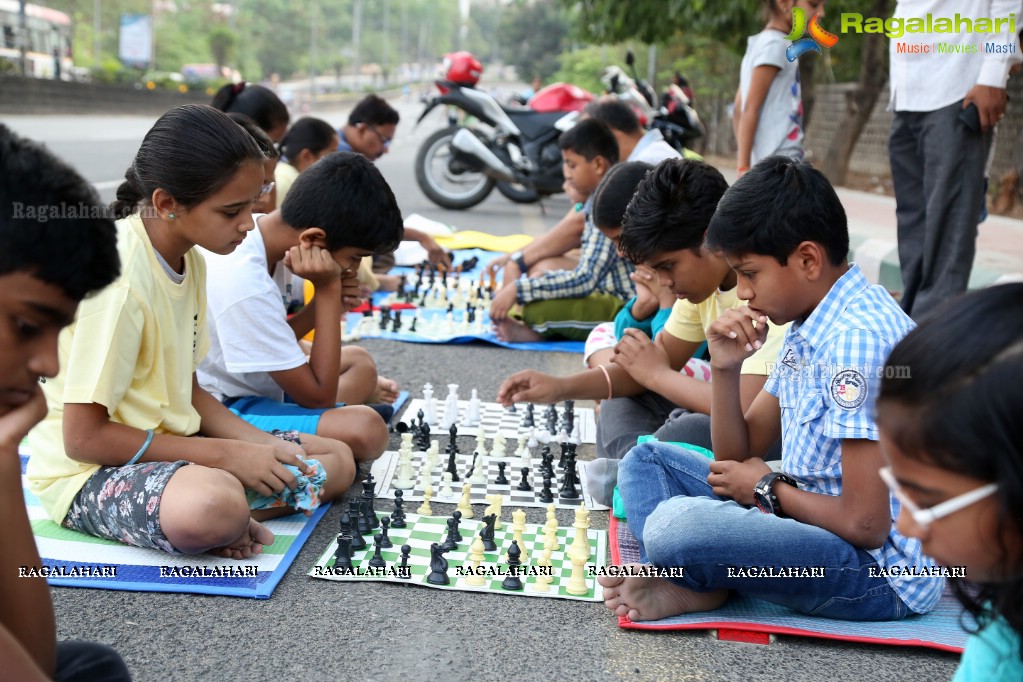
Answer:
(23, 42)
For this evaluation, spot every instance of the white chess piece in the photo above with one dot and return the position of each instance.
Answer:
(472, 417)
(498, 448)
(575, 438)
(445, 489)
(520, 447)
(429, 408)
(403, 479)
(479, 472)
(425, 509)
(451, 407)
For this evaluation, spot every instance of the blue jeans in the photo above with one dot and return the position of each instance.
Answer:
(679, 521)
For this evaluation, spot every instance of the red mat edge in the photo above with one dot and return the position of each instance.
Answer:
(624, 622)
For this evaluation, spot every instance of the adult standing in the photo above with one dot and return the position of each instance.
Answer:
(946, 106)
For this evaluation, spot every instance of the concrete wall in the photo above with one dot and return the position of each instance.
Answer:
(41, 96)
(871, 153)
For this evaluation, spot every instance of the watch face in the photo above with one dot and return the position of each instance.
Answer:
(763, 501)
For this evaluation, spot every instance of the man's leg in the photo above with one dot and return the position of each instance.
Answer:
(623, 420)
(954, 157)
(910, 210)
(89, 661)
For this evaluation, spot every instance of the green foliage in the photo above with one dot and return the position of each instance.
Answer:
(583, 67)
(711, 67)
(656, 21)
(223, 42)
(534, 33)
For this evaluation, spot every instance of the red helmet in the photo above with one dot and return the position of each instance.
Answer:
(462, 68)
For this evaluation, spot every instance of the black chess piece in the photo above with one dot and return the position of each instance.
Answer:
(452, 467)
(377, 561)
(412, 327)
(398, 515)
(358, 541)
(396, 322)
(449, 539)
(472, 467)
(346, 524)
(524, 483)
(369, 515)
(487, 533)
(569, 480)
(501, 478)
(384, 525)
(456, 516)
(403, 569)
(452, 436)
(512, 581)
(546, 494)
(564, 456)
(527, 419)
(438, 566)
(343, 555)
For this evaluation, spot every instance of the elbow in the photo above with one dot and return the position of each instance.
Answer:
(318, 400)
(869, 533)
(78, 446)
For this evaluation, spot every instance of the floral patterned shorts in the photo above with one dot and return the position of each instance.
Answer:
(123, 504)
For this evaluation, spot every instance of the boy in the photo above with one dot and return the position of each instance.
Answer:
(825, 520)
(663, 229)
(46, 268)
(339, 211)
(568, 303)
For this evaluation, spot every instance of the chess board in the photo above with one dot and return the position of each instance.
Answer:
(431, 325)
(422, 531)
(495, 419)
(385, 469)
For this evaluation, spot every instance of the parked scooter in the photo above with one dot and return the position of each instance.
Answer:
(513, 149)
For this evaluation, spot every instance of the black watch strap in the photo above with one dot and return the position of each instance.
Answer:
(520, 261)
(763, 492)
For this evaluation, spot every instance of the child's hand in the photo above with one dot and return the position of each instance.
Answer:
(351, 291)
(310, 262)
(574, 195)
(16, 424)
(529, 386)
(497, 264)
(503, 301)
(735, 336)
(261, 467)
(434, 252)
(736, 480)
(640, 357)
(648, 289)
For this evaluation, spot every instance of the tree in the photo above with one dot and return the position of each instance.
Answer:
(222, 45)
(534, 33)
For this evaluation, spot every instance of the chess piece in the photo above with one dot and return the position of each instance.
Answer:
(368, 495)
(520, 448)
(377, 561)
(464, 504)
(476, 557)
(581, 543)
(479, 470)
(501, 478)
(343, 555)
(451, 406)
(403, 478)
(512, 581)
(449, 540)
(456, 516)
(524, 483)
(472, 417)
(452, 467)
(495, 508)
(550, 536)
(438, 566)
(384, 525)
(398, 515)
(577, 581)
(518, 528)
(445, 489)
(542, 583)
(403, 569)
(358, 541)
(546, 494)
(487, 533)
(425, 509)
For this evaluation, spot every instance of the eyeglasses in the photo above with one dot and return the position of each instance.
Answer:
(384, 140)
(266, 189)
(925, 517)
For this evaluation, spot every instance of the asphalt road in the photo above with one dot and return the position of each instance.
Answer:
(318, 630)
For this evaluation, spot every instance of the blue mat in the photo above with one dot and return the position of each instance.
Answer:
(941, 629)
(79, 560)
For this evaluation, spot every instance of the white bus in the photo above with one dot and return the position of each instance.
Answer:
(48, 53)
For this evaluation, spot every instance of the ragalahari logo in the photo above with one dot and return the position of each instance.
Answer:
(817, 39)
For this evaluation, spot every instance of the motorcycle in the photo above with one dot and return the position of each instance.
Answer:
(675, 117)
(513, 149)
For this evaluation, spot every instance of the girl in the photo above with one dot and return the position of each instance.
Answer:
(953, 439)
(111, 458)
(267, 201)
(258, 103)
(305, 143)
(768, 114)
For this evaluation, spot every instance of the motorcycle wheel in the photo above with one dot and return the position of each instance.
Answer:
(518, 193)
(441, 185)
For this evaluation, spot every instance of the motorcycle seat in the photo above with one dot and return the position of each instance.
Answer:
(534, 124)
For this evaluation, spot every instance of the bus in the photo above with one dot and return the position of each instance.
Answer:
(48, 53)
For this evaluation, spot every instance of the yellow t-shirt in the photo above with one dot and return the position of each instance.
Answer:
(133, 348)
(689, 321)
(284, 178)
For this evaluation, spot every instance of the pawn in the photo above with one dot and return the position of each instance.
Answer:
(456, 516)
(543, 580)
(425, 509)
(524, 483)
(476, 557)
(378, 560)
(384, 524)
(501, 478)
(445, 489)
(398, 515)
(546, 494)
(465, 502)
(404, 570)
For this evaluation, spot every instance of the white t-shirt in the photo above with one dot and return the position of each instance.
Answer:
(248, 324)
(653, 149)
(780, 128)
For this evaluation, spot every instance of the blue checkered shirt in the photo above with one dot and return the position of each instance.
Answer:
(826, 382)
(600, 269)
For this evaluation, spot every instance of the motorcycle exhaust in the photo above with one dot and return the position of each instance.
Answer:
(467, 143)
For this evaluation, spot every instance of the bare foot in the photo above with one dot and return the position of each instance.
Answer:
(512, 331)
(643, 598)
(385, 392)
(251, 542)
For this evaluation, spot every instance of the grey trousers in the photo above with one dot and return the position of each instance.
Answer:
(623, 420)
(938, 171)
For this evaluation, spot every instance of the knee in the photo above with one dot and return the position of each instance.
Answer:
(676, 527)
(358, 356)
(203, 508)
(360, 427)
(339, 465)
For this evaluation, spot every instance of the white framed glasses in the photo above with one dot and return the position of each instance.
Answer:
(925, 517)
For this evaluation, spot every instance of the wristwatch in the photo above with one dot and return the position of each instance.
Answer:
(763, 492)
(519, 261)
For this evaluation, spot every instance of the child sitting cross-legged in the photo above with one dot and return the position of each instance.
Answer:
(338, 212)
(824, 521)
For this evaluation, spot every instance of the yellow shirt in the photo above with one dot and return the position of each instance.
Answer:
(132, 348)
(689, 321)
(284, 178)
